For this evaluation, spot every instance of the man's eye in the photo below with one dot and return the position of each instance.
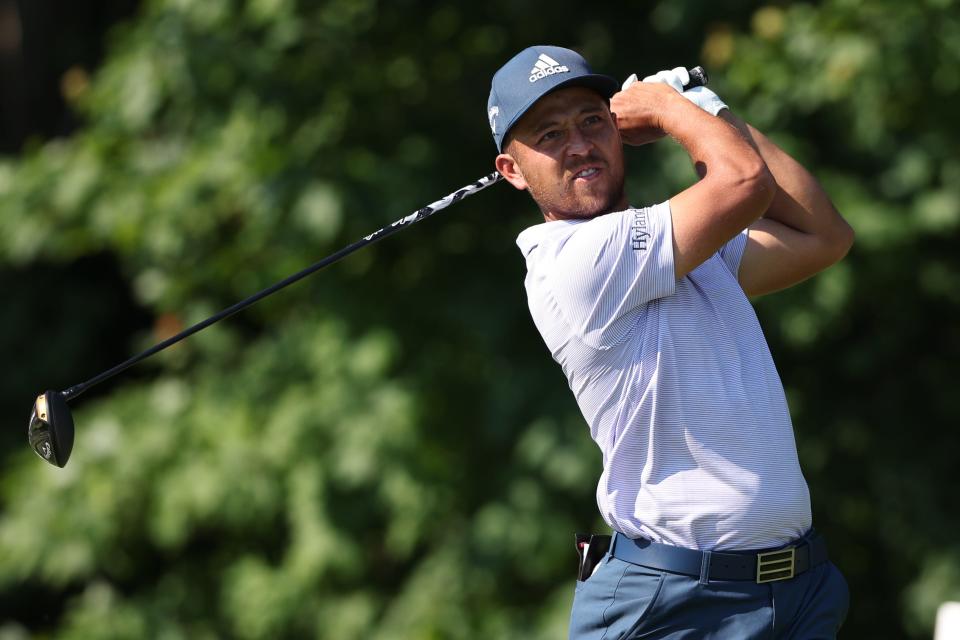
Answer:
(592, 119)
(550, 135)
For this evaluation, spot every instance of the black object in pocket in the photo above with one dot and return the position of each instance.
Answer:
(590, 549)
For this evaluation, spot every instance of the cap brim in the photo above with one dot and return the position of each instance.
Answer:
(604, 85)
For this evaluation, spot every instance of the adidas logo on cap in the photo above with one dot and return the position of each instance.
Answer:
(546, 66)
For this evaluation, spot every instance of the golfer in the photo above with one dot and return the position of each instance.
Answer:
(646, 310)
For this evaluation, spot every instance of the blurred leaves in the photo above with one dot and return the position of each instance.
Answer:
(385, 451)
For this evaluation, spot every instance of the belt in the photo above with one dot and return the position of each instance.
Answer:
(759, 566)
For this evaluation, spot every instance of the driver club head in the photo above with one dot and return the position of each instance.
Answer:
(51, 428)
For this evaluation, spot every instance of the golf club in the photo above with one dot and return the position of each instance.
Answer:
(51, 425)
(51, 428)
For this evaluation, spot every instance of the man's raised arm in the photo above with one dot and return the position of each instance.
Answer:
(801, 232)
(736, 186)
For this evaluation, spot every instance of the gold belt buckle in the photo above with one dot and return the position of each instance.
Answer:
(776, 565)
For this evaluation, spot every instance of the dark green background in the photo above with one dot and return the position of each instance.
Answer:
(386, 450)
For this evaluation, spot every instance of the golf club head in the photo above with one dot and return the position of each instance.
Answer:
(51, 428)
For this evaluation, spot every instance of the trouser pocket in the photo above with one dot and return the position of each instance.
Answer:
(616, 598)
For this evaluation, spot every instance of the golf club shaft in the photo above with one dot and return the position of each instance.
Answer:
(416, 216)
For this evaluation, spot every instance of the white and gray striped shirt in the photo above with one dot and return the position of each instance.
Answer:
(675, 380)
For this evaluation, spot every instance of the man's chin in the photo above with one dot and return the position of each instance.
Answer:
(599, 198)
(584, 207)
(600, 206)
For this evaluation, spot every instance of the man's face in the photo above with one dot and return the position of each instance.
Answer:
(566, 151)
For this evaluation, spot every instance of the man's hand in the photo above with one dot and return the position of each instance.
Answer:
(678, 78)
(639, 111)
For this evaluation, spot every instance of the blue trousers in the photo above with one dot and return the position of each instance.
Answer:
(623, 601)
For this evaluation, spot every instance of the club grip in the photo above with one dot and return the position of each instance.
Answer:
(698, 78)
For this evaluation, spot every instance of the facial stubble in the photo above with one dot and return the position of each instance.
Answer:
(565, 204)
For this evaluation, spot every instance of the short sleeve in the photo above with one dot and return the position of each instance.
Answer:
(732, 252)
(610, 266)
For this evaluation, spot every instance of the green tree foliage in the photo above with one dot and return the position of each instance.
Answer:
(385, 450)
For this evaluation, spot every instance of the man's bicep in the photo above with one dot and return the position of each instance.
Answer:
(777, 256)
(706, 217)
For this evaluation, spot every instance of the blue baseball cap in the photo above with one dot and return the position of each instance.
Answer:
(532, 74)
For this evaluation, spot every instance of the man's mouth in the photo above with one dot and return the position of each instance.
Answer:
(587, 173)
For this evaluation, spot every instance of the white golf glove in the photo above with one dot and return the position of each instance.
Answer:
(676, 78)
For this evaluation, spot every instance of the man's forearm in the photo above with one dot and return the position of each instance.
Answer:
(800, 202)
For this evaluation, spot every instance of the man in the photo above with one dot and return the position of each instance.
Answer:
(646, 311)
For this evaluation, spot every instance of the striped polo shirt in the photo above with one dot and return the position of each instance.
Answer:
(675, 380)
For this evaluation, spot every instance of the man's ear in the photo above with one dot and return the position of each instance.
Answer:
(509, 169)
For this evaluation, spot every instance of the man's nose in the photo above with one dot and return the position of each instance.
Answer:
(578, 144)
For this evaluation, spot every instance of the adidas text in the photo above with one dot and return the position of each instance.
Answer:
(546, 66)
(549, 71)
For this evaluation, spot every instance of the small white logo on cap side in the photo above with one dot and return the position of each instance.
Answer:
(492, 116)
(546, 66)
